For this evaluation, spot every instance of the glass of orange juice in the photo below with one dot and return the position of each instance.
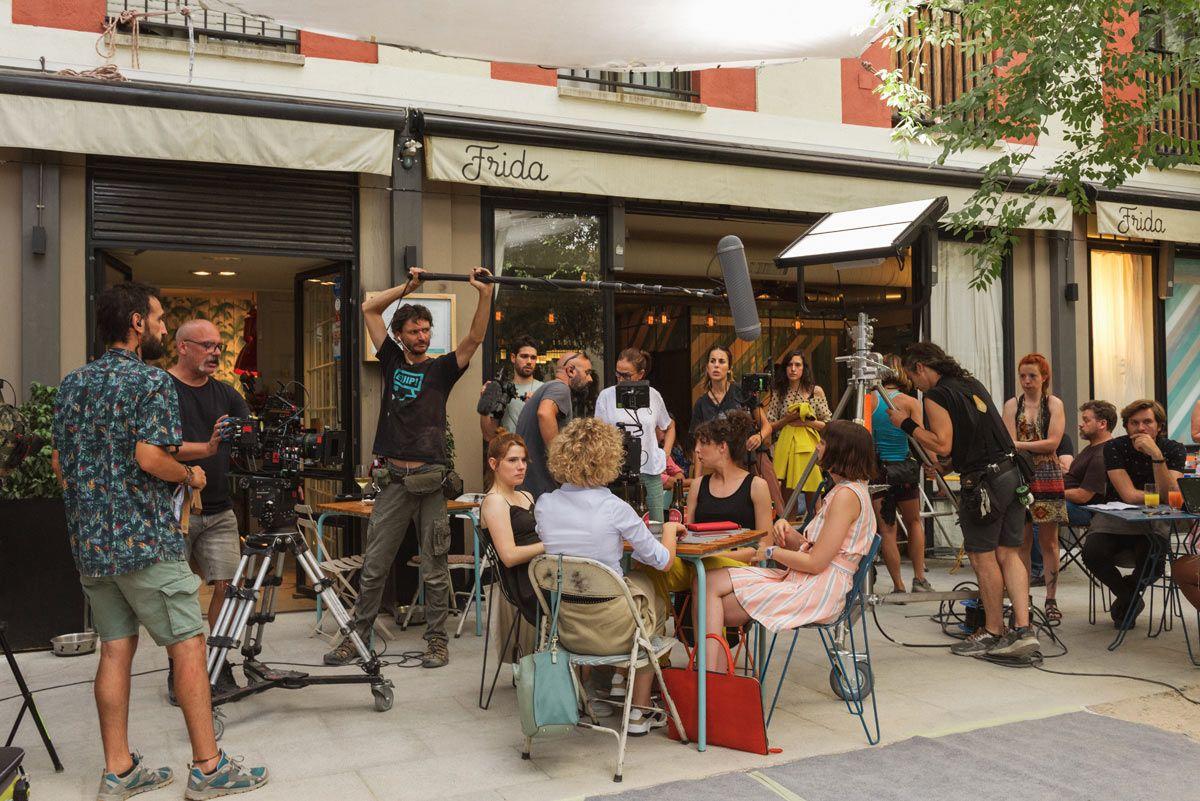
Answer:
(1175, 499)
(1151, 492)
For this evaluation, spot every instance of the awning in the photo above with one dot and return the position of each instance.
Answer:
(1147, 222)
(111, 129)
(550, 169)
(618, 34)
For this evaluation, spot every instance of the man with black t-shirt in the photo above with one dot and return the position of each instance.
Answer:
(213, 541)
(1142, 457)
(411, 438)
(961, 422)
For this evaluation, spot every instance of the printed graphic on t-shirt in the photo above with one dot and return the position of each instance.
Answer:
(406, 386)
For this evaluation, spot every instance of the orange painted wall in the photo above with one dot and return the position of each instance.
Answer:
(74, 15)
(729, 87)
(860, 106)
(318, 45)
(524, 73)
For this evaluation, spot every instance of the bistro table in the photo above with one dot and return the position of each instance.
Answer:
(694, 547)
(1160, 547)
(361, 509)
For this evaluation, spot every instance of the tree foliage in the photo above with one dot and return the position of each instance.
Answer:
(1098, 73)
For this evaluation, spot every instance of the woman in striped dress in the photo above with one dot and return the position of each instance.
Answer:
(817, 566)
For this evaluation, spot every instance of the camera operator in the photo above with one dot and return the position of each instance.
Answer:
(961, 422)
(213, 542)
(524, 357)
(546, 413)
(646, 423)
(116, 427)
(411, 437)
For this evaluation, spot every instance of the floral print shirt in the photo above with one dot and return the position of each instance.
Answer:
(119, 518)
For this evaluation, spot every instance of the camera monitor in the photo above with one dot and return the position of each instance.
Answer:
(633, 395)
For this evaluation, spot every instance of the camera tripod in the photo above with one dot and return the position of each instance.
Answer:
(250, 602)
(867, 374)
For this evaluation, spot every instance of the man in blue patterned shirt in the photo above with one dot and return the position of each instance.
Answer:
(116, 426)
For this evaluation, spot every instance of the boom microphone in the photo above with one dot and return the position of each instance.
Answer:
(736, 272)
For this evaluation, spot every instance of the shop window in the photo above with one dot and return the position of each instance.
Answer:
(676, 85)
(215, 25)
(538, 244)
(1183, 354)
(967, 322)
(1122, 352)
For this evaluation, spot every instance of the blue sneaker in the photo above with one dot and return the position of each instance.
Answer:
(227, 778)
(139, 780)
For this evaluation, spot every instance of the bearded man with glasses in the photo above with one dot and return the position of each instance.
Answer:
(213, 541)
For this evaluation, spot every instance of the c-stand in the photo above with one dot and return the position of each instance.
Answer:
(248, 604)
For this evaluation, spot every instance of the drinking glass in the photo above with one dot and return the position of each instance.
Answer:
(1175, 499)
(362, 478)
(1151, 493)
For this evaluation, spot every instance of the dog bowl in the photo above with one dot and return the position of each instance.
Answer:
(78, 644)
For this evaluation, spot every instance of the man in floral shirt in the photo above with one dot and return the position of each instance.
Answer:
(116, 426)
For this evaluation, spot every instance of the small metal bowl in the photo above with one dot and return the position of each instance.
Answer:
(74, 644)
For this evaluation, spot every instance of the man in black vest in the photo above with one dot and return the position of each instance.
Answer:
(961, 422)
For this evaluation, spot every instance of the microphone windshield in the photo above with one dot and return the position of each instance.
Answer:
(736, 272)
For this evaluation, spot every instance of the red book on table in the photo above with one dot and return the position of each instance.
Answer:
(722, 525)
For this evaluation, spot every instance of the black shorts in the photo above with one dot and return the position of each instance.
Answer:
(1008, 529)
(895, 495)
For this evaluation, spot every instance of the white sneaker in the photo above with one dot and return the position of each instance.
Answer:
(617, 690)
(640, 723)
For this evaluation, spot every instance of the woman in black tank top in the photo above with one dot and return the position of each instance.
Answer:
(728, 491)
(506, 519)
(737, 508)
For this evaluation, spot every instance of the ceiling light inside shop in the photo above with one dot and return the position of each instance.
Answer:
(227, 273)
(200, 272)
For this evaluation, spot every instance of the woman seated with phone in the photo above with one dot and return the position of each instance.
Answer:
(506, 515)
(583, 518)
(817, 565)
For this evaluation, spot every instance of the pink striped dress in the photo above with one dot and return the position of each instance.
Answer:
(782, 599)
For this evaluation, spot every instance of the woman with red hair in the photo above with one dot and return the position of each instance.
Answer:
(1036, 421)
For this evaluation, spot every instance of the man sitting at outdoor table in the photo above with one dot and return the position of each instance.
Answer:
(1143, 457)
(1086, 481)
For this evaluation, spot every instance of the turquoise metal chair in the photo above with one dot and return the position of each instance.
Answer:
(850, 675)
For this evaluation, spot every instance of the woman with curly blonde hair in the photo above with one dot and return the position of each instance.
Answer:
(583, 518)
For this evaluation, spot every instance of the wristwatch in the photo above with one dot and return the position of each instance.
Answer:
(770, 552)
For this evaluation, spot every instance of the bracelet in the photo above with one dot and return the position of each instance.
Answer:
(187, 475)
(909, 426)
(1158, 461)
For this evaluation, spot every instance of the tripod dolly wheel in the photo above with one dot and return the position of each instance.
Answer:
(856, 690)
(218, 725)
(383, 698)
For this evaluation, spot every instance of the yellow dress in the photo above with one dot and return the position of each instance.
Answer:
(793, 448)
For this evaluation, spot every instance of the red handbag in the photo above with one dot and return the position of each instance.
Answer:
(723, 525)
(735, 715)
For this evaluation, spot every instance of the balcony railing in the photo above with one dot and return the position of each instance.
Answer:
(946, 73)
(164, 20)
(1182, 123)
(674, 85)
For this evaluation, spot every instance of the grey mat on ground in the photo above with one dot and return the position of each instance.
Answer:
(724, 787)
(1074, 757)
(1067, 757)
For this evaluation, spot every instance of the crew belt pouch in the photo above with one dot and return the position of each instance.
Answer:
(902, 474)
(978, 499)
(421, 482)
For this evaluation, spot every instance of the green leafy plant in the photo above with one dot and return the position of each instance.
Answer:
(1096, 81)
(34, 478)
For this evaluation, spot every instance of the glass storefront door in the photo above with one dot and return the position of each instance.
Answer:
(1183, 349)
(1122, 316)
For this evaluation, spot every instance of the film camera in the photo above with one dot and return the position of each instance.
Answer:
(272, 452)
(495, 398)
(754, 384)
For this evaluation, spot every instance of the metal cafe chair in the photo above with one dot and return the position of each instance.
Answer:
(506, 578)
(850, 675)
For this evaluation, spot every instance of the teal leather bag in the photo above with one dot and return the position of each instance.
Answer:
(547, 696)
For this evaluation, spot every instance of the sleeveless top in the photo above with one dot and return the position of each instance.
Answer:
(516, 579)
(890, 442)
(862, 530)
(737, 508)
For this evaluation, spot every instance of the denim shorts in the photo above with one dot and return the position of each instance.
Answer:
(163, 597)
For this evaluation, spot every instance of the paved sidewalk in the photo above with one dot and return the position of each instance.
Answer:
(328, 742)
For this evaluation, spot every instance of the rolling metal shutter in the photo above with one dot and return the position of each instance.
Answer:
(181, 205)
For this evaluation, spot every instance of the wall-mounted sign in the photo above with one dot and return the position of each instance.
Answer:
(588, 172)
(1147, 222)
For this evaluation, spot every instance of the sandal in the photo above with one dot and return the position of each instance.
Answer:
(1053, 613)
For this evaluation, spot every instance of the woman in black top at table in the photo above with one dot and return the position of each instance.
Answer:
(727, 491)
(506, 517)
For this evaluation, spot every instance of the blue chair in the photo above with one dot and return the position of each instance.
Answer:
(852, 684)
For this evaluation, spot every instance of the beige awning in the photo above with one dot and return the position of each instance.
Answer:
(110, 129)
(1147, 222)
(550, 169)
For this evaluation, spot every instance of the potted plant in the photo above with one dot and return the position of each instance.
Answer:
(40, 595)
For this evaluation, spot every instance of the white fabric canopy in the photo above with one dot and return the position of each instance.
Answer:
(617, 34)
